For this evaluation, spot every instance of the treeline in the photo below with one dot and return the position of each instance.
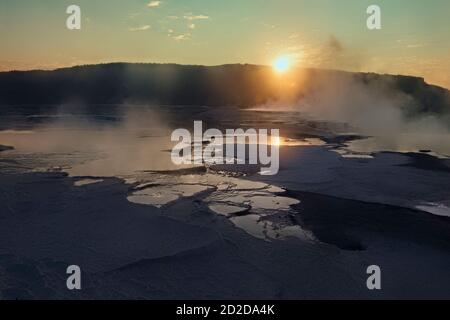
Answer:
(170, 84)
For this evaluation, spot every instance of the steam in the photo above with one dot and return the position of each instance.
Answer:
(137, 141)
(372, 107)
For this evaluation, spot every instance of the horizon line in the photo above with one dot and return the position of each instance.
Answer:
(213, 66)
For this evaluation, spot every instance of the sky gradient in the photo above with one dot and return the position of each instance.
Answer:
(414, 39)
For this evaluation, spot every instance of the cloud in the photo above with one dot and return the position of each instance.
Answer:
(141, 28)
(269, 26)
(191, 26)
(415, 45)
(173, 17)
(182, 37)
(192, 17)
(154, 4)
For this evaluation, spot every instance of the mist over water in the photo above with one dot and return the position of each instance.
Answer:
(373, 108)
(138, 141)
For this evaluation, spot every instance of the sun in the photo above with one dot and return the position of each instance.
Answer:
(281, 64)
(275, 141)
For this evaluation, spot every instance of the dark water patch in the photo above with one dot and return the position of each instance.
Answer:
(342, 139)
(355, 225)
(427, 162)
(186, 171)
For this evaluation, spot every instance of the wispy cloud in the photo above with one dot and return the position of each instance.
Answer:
(191, 17)
(182, 37)
(141, 28)
(154, 4)
(269, 26)
(415, 45)
(191, 23)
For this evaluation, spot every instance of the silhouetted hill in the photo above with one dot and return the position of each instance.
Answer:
(169, 84)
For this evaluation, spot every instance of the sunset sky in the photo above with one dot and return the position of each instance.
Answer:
(414, 39)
